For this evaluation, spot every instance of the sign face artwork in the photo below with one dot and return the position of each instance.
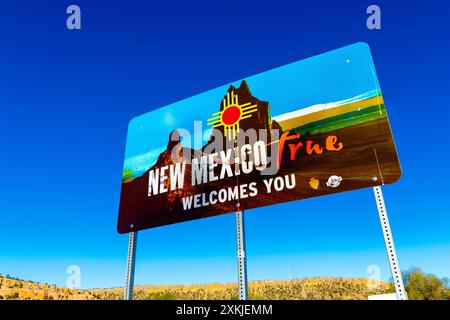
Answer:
(314, 127)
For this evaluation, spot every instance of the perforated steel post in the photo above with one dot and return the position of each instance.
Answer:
(389, 242)
(242, 261)
(131, 260)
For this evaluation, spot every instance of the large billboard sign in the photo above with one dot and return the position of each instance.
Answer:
(314, 127)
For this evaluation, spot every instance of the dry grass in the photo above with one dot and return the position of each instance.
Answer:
(298, 289)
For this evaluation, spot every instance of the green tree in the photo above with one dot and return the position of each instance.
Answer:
(422, 286)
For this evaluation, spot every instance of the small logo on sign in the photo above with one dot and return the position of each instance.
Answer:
(314, 183)
(334, 181)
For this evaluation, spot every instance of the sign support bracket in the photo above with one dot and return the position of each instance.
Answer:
(242, 260)
(131, 262)
(390, 247)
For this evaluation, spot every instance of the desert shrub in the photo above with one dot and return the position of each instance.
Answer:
(14, 295)
(165, 295)
(422, 286)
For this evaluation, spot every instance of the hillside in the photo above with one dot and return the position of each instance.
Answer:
(28, 290)
(297, 289)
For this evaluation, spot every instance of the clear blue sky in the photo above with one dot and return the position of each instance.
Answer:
(66, 98)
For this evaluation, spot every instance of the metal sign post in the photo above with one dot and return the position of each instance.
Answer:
(131, 260)
(242, 261)
(389, 242)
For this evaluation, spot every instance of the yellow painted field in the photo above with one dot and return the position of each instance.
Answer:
(298, 121)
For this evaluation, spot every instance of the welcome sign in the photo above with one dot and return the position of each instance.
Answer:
(314, 127)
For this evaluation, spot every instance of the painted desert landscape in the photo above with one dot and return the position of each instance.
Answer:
(350, 140)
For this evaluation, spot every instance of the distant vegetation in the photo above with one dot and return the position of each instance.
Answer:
(298, 289)
(420, 286)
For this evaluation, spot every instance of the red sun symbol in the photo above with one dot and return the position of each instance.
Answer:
(231, 115)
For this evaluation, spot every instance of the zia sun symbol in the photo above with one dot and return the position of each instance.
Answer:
(231, 115)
